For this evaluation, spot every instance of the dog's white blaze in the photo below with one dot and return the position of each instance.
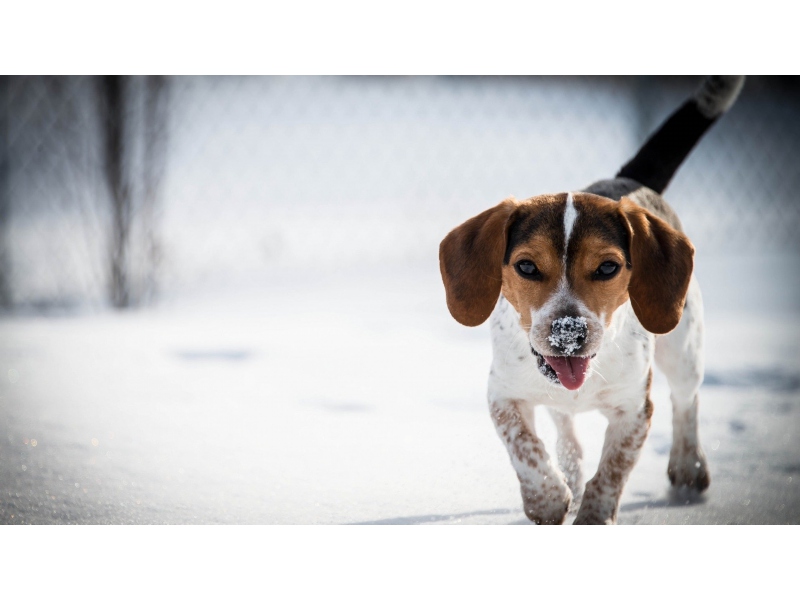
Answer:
(570, 214)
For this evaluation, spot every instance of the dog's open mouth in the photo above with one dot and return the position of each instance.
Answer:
(569, 371)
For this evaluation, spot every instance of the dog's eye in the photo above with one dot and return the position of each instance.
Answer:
(528, 270)
(606, 271)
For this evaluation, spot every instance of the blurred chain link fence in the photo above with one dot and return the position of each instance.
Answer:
(184, 182)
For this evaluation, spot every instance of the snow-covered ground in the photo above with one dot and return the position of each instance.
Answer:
(301, 366)
(349, 395)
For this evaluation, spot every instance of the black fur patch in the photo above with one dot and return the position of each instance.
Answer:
(548, 220)
(606, 226)
(658, 160)
(528, 220)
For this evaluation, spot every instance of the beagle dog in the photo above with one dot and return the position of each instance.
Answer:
(584, 291)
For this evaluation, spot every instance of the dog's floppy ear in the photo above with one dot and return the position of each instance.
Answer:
(662, 259)
(471, 260)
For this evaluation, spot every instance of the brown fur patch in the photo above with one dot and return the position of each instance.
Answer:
(662, 259)
(470, 260)
(477, 260)
(524, 294)
(601, 498)
(600, 297)
(598, 235)
(648, 404)
(545, 501)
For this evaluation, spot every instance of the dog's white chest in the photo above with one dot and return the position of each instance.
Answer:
(617, 376)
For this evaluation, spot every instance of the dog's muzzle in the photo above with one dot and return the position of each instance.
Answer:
(568, 335)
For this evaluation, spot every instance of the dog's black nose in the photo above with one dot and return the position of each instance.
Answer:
(568, 334)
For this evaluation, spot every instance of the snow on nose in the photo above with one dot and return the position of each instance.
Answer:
(567, 334)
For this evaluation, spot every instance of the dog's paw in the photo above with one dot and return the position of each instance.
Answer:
(597, 507)
(688, 469)
(593, 518)
(547, 504)
(596, 513)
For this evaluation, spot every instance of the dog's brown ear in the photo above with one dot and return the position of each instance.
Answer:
(471, 260)
(662, 259)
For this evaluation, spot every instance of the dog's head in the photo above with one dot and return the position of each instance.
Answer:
(566, 263)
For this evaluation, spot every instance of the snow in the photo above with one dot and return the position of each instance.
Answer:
(349, 395)
(568, 334)
(302, 367)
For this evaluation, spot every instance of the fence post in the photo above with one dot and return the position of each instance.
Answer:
(113, 90)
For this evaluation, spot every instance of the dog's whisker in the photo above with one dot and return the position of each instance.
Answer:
(596, 372)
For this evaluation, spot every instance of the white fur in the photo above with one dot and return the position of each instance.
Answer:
(679, 355)
(620, 366)
(617, 388)
(570, 214)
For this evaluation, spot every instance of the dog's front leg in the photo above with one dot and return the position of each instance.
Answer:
(569, 452)
(545, 494)
(626, 433)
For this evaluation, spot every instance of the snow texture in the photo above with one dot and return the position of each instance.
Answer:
(568, 334)
(353, 397)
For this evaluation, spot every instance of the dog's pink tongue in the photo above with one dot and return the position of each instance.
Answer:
(571, 370)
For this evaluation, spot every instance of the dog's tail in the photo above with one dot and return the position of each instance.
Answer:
(665, 150)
